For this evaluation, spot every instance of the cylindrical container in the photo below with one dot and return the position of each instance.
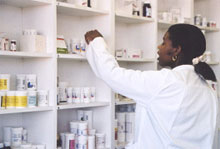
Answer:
(204, 22)
(16, 136)
(77, 94)
(62, 136)
(4, 82)
(21, 99)
(92, 132)
(82, 142)
(197, 19)
(69, 95)
(91, 142)
(80, 115)
(93, 94)
(26, 146)
(7, 134)
(24, 136)
(42, 97)
(130, 126)
(147, 12)
(10, 99)
(13, 46)
(86, 94)
(62, 92)
(82, 128)
(73, 127)
(32, 99)
(83, 48)
(2, 99)
(116, 131)
(1, 145)
(21, 82)
(7, 145)
(31, 82)
(69, 141)
(121, 127)
(100, 140)
(88, 116)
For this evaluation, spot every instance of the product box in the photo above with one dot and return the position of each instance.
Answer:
(33, 43)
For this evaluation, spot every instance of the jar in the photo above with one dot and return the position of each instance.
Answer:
(42, 98)
(198, 19)
(32, 99)
(4, 82)
(13, 46)
(21, 99)
(21, 82)
(10, 99)
(147, 9)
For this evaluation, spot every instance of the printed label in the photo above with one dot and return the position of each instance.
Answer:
(21, 101)
(10, 101)
(3, 84)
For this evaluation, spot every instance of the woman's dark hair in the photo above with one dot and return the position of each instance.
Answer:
(193, 44)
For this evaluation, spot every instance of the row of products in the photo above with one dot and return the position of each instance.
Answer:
(17, 138)
(134, 7)
(23, 99)
(124, 127)
(173, 16)
(72, 46)
(202, 21)
(71, 95)
(82, 135)
(23, 82)
(30, 41)
(87, 3)
(129, 53)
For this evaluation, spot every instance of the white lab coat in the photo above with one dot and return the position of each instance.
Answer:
(175, 108)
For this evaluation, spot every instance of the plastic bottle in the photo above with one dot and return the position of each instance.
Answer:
(147, 11)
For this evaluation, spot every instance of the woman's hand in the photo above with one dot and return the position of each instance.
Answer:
(89, 36)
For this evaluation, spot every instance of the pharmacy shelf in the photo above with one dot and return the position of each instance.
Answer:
(25, 110)
(126, 18)
(71, 57)
(141, 60)
(71, 9)
(83, 105)
(120, 145)
(209, 29)
(166, 25)
(25, 3)
(124, 102)
(25, 54)
(213, 63)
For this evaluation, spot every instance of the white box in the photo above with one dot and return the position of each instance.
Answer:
(33, 43)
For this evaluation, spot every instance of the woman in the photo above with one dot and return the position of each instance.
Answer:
(176, 108)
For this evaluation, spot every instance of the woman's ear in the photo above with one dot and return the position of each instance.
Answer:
(177, 51)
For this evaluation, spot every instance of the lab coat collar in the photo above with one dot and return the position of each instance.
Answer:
(181, 67)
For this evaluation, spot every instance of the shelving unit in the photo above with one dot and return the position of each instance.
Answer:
(125, 18)
(77, 106)
(71, 9)
(51, 18)
(124, 102)
(9, 54)
(71, 57)
(25, 110)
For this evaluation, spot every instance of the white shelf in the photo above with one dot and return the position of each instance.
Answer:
(209, 29)
(71, 57)
(25, 3)
(166, 25)
(25, 54)
(83, 105)
(71, 9)
(141, 60)
(126, 18)
(25, 110)
(124, 102)
(213, 63)
(121, 145)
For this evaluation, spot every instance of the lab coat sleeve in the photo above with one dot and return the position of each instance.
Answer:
(140, 86)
